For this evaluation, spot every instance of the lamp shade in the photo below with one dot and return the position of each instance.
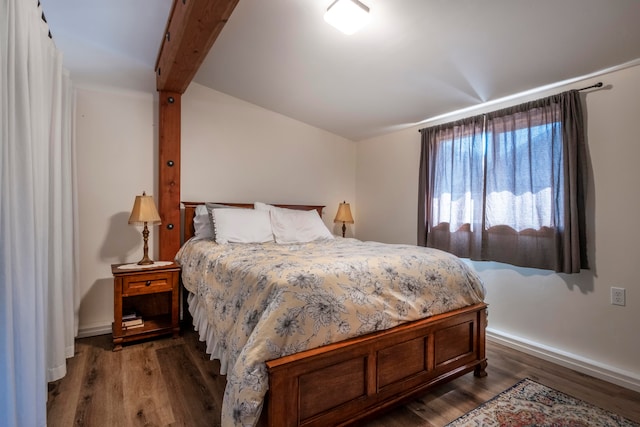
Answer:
(347, 16)
(144, 210)
(344, 213)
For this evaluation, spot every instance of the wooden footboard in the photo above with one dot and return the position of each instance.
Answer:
(352, 380)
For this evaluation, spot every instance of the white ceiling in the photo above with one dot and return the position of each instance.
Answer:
(414, 60)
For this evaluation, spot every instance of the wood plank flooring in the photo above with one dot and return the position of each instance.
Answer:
(171, 382)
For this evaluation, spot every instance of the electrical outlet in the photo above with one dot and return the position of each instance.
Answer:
(617, 296)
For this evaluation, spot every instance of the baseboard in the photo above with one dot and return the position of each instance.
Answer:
(581, 364)
(94, 330)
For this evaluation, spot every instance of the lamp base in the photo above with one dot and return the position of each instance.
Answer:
(145, 261)
(145, 237)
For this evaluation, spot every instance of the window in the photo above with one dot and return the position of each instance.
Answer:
(507, 186)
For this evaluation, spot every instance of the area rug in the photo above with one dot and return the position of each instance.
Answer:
(531, 404)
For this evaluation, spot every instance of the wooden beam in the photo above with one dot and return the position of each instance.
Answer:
(169, 119)
(192, 28)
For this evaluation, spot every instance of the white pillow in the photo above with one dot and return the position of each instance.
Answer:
(210, 207)
(259, 206)
(202, 223)
(295, 226)
(242, 226)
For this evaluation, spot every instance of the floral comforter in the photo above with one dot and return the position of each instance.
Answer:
(257, 302)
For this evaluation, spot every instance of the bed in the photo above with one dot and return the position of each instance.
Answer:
(374, 369)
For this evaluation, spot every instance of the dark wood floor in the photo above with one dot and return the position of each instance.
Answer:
(171, 382)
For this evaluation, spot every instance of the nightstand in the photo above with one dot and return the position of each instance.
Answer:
(150, 292)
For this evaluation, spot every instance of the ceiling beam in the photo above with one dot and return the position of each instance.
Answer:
(192, 27)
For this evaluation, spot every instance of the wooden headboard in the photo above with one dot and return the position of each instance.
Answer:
(190, 211)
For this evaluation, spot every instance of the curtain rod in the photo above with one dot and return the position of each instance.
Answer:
(599, 84)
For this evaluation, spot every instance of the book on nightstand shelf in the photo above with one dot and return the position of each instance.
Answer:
(135, 322)
(126, 328)
(129, 315)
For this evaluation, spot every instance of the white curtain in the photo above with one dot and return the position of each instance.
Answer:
(38, 238)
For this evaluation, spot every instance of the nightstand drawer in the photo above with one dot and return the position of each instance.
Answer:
(146, 284)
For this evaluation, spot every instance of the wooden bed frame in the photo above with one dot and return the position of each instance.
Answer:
(352, 380)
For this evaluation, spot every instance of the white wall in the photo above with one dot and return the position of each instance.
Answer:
(115, 151)
(568, 316)
(231, 151)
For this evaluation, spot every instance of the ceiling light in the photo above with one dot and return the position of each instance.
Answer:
(347, 16)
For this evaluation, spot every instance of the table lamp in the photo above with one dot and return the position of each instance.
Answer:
(144, 212)
(344, 216)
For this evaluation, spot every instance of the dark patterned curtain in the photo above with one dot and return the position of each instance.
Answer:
(508, 186)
